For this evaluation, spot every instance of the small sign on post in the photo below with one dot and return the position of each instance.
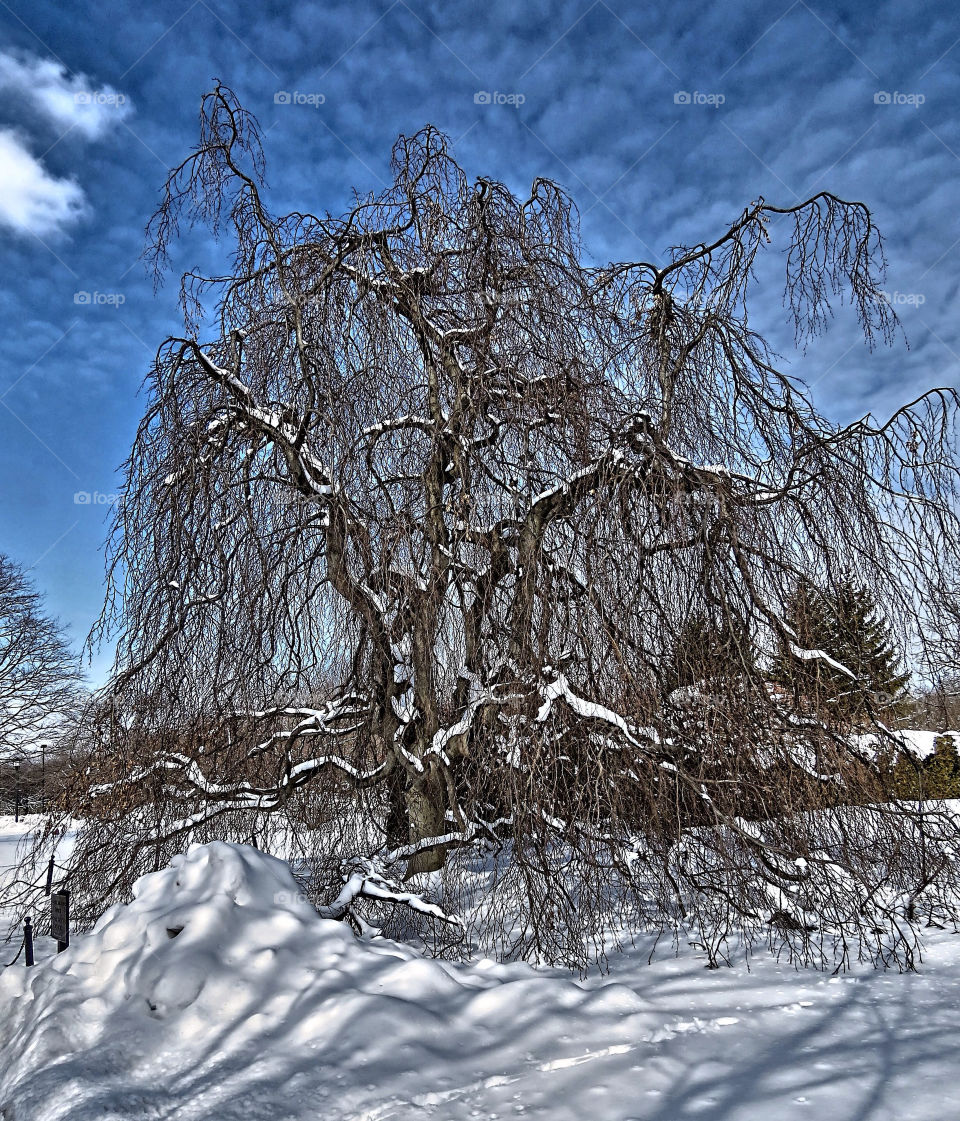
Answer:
(60, 919)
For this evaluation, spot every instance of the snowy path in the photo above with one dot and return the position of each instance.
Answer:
(218, 994)
(11, 835)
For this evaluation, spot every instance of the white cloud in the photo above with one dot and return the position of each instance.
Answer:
(32, 200)
(72, 102)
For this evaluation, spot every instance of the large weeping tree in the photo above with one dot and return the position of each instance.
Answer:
(422, 506)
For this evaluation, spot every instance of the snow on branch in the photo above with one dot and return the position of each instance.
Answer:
(308, 472)
(368, 881)
(821, 656)
(589, 710)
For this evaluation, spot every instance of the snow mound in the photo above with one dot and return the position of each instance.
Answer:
(218, 989)
(218, 994)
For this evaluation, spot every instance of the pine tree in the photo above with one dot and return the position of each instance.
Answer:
(812, 681)
(937, 776)
(848, 627)
(862, 642)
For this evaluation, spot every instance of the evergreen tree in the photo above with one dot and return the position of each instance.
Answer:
(811, 680)
(937, 776)
(848, 627)
(862, 642)
(942, 769)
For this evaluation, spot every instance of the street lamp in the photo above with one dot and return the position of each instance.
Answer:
(43, 778)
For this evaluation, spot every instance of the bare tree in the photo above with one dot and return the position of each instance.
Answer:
(938, 706)
(38, 672)
(409, 542)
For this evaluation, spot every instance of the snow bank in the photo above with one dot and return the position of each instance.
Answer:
(17, 837)
(218, 993)
(220, 971)
(13, 834)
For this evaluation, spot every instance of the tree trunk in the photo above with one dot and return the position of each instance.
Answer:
(397, 826)
(425, 815)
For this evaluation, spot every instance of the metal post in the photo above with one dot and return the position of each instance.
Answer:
(60, 919)
(28, 941)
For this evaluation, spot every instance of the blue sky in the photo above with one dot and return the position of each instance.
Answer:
(662, 121)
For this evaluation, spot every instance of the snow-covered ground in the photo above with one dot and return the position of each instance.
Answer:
(218, 993)
(13, 835)
(921, 743)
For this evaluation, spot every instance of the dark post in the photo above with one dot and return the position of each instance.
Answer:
(28, 941)
(49, 877)
(43, 778)
(60, 919)
(16, 795)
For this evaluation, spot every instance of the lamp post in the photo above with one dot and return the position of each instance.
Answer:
(16, 794)
(43, 778)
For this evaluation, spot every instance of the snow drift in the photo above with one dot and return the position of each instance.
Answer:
(219, 970)
(219, 993)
